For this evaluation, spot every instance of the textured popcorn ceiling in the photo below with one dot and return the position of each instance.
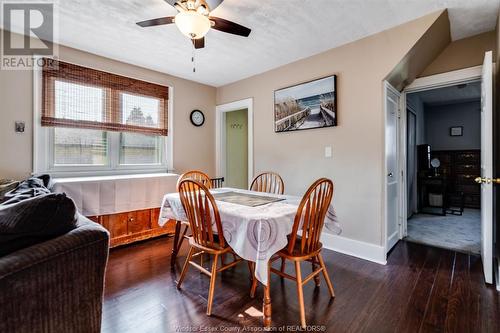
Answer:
(283, 31)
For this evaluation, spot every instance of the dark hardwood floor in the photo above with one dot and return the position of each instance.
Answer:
(421, 289)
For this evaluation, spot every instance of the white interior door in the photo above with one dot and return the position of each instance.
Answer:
(487, 167)
(391, 156)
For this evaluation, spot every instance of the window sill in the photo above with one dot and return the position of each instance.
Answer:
(81, 179)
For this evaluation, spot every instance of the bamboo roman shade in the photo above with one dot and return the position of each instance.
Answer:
(80, 97)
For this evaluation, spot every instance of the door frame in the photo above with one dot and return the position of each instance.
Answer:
(409, 108)
(466, 75)
(220, 135)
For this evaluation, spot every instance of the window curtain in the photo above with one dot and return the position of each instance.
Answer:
(79, 97)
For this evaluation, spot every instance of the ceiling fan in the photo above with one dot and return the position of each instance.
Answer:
(194, 20)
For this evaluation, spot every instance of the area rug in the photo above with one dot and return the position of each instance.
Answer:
(460, 233)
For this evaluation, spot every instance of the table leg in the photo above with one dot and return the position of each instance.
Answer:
(175, 248)
(266, 304)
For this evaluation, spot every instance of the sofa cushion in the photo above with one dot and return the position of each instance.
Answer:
(35, 220)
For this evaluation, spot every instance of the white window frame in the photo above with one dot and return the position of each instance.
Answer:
(43, 146)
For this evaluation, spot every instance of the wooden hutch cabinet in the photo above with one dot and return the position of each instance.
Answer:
(130, 227)
(461, 167)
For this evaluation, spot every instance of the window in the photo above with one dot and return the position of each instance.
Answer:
(73, 146)
(139, 149)
(100, 122)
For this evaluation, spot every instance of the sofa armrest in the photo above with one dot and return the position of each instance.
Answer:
(57, 285)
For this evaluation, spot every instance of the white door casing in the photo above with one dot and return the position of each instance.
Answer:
(392, 97)
(461, 76)
(487, 166)
(220, 151)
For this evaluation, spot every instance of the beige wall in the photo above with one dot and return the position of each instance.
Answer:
(193, 147)
(463, 53)
(358, 141)
(425, 50)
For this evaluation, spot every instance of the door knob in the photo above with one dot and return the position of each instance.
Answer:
(481, 180)
(390, 174)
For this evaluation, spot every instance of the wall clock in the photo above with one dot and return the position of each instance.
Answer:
(197, 118)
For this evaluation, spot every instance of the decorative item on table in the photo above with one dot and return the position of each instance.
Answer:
(308, 105)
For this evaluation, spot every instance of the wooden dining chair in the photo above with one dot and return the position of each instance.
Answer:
(202, 213)
(199, 176)
(309, 221)
(217, 182)
(269, 182)
(180, 235)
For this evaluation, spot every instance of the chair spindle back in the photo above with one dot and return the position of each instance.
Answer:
(310, 216)
(202, 213)
(269, 182)
(199, 176)
(217, 182)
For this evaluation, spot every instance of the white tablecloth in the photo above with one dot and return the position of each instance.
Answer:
(254, 233)
(116, 194)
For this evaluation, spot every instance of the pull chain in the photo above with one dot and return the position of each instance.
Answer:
(193, 60)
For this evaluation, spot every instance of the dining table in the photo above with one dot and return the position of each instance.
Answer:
(255, 231)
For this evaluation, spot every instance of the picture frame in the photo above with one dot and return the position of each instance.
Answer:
(456, 131)
(307, 105)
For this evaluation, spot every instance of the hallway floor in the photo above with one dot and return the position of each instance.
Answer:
(460, 233)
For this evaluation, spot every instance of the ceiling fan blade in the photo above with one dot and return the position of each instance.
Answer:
(212, 4)
(199, 43)
(229, 27)
(171, 2)
(158, 21)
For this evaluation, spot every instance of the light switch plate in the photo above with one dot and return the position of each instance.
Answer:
(328, 152)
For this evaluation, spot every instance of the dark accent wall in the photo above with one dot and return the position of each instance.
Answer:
(439, 120)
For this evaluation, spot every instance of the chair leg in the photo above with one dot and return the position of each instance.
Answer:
(282, 265)
(185, 267)
(316, 277)
(301, 294)
(213, 276)
(175, 249)
(325, 274)
(183, 235)
(254, 281)
(250, 270)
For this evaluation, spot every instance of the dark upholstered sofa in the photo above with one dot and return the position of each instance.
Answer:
(56, 285)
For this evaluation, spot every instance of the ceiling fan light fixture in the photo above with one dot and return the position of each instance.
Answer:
(192, 24)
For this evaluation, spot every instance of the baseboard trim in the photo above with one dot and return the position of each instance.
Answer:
(355, 248)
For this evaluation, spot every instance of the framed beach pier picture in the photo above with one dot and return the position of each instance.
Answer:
(307, 105)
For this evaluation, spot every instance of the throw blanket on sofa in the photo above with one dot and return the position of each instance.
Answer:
(30, 188)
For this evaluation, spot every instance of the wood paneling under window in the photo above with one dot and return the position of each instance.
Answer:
(129, 227)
